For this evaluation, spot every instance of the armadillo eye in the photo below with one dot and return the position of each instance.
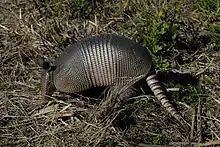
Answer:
(46, 65)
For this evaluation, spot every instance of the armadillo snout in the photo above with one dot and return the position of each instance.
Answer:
(47, 87)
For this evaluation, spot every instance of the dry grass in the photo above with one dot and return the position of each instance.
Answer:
(30, 28)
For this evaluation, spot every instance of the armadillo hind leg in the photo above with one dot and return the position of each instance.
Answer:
(123, 92)
(117, 96)
(156, 87)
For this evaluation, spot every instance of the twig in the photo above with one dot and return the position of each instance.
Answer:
(199, 130)
(193, 125)
(208, 143)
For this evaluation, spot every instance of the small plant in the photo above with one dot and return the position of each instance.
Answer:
(71, 8)
(160, 32)
(154, 32)
(189, 94)
(161, 139)
(210, 6)
(85, 8)
(161, 63)
(214, 30)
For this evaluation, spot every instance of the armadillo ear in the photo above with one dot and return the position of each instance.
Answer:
(46, 65)
(40, 60)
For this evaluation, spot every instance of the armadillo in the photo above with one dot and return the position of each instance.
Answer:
(103, 60)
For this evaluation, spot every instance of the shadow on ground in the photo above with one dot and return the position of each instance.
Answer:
(125, 119)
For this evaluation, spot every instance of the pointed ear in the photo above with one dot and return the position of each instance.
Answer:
(43, 63)
(40, 60)
(46, 65)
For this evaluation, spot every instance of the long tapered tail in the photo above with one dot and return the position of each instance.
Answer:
(155, 86)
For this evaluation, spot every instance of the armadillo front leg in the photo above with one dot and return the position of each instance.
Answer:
(155, 86)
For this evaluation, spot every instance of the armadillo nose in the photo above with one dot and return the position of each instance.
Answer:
(44, 80)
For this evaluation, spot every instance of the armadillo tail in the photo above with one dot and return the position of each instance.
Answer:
(157, 89)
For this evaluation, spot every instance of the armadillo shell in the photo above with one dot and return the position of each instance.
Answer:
(101, 60)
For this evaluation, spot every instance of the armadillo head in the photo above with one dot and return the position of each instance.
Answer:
(47, 87)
